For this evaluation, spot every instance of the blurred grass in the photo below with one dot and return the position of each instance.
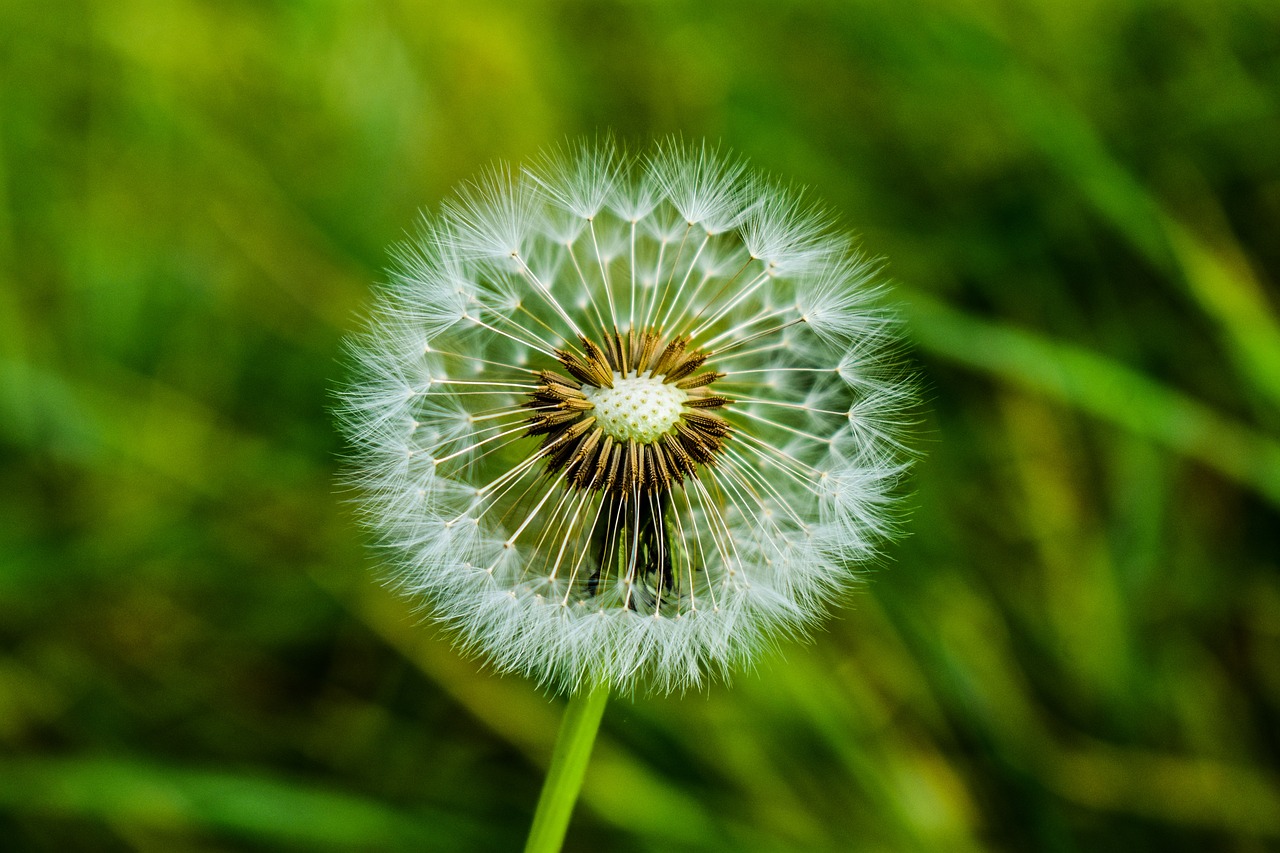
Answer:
(126, 792)
(1102, 387)
(1077, 648)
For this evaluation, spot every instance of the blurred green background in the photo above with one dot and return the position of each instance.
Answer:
(1078, 646)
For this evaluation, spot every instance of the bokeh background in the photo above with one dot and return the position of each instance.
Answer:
(1076, 648)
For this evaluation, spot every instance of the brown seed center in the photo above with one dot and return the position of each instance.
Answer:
(675, 431)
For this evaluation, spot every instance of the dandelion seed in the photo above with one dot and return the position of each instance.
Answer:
(624, 420)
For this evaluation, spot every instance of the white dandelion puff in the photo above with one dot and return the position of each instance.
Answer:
(788, 235)
(627, 421)
(580, 179)
(492, 216)
(705, 188)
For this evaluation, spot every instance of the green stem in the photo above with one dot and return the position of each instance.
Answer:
(568, 766)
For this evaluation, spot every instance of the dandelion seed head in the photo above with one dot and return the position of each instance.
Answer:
(628, 418)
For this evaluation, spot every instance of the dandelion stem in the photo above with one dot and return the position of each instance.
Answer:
(568, 766)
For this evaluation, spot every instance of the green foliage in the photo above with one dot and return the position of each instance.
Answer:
(1078, 646)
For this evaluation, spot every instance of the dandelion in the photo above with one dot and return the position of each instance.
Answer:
(623, 422)
(627, 420)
